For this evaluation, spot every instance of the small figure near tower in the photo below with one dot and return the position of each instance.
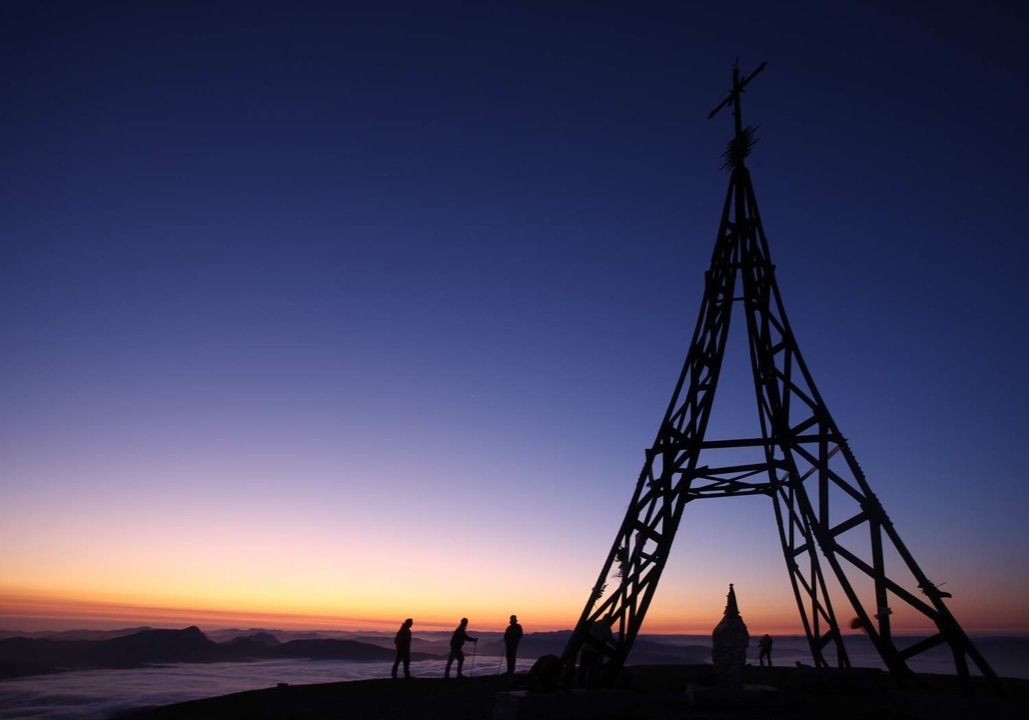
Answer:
(765, 645)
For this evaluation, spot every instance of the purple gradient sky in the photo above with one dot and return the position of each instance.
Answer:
(326, 309)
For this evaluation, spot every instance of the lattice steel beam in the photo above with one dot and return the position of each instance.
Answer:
(819, 494)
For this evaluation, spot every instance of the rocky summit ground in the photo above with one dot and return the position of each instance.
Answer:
(644, 693)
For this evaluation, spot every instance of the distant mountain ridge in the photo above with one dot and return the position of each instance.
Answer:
(126, 649)
(33, 655)
(79, 634)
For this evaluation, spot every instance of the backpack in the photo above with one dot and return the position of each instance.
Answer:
(545, 674)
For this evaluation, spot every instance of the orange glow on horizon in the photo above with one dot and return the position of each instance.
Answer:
(27, 612)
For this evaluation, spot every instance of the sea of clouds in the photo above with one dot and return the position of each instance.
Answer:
(98, 694)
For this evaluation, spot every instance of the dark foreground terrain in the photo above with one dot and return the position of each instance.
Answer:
(644, 693)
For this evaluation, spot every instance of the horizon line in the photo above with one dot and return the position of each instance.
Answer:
(145, 627)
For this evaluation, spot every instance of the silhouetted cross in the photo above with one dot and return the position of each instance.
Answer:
(734, 96)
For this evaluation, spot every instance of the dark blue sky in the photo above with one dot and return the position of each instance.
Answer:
(303, 256)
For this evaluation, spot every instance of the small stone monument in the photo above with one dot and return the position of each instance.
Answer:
(729, 647)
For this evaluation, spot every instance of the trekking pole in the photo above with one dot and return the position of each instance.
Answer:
(475, 647)
(499, 661)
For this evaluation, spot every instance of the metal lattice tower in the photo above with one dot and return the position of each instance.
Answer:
(835, 535)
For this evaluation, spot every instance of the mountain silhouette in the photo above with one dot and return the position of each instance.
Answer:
(78, 634)
(262, 638)
(30, 656)
(249, 646)
(334, 650)
(188, 645)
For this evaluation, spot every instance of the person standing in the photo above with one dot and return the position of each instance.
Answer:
(765, 645)
(511, 637)
(457, 641)
(403, 643)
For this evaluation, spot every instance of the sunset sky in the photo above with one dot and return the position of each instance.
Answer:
(332, 314)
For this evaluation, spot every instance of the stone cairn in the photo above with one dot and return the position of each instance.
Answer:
(729, 647)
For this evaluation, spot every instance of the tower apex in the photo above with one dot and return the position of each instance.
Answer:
(744, 138)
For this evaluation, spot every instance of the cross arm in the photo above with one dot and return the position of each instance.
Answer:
(734, 94)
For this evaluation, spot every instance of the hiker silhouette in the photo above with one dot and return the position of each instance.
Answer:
(765, 645)
(457, 641)
(403, 643)
(511, 637)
